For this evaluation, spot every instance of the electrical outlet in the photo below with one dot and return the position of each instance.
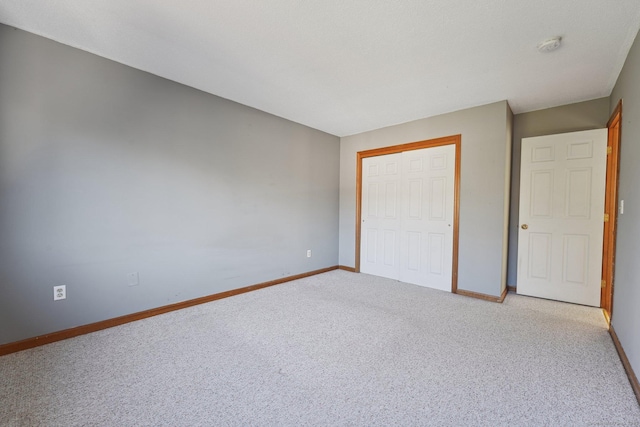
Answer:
(59, 292)
(133, 279)
(308, 253)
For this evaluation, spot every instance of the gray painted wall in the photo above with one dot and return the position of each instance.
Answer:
(485, 154)
(626, 298)
(107, 170)
(567, 118)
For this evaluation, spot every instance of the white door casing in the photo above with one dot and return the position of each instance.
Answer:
(407, 216)
(562, 187)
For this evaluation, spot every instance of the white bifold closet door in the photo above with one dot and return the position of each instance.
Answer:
(407, 216)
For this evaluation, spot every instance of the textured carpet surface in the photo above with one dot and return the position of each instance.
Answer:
(334, 349)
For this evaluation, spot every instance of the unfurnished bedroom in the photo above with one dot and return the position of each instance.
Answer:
(319, 213)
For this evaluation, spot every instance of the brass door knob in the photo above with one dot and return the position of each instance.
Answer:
(525, 226)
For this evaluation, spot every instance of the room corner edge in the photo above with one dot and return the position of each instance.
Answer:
(16, 346)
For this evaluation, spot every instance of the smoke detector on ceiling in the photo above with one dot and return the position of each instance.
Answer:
(549, 45)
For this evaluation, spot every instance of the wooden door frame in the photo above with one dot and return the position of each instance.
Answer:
(438, 142)
(611, 209)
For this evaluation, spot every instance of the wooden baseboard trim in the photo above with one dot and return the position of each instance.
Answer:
(635, 385)
(513, 289)
(485, 297)
(504, 295)
(14, 347)
(345, 268)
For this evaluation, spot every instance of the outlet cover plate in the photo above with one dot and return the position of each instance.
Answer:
(59, 292)
(133, 279)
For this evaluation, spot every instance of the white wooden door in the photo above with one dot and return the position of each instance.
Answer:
(380, 230)
(562, 186)
(407, 216)
(426, 244)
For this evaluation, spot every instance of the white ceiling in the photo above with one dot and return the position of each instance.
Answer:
(347, 66)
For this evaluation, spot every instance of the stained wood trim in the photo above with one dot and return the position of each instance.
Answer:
(485, 297)
(359, 158)
(345, 268)
(116, 321)
(616, 111)
(611, 208)
(437, 142)
(513, 289)
(456, 214)
(635, 385)
(504, 295)
(429, 143)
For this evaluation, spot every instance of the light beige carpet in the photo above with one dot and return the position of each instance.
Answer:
(334, 349)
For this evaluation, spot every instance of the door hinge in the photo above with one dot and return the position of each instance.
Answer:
(603, 284)
(606, 217)
(609, 149)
